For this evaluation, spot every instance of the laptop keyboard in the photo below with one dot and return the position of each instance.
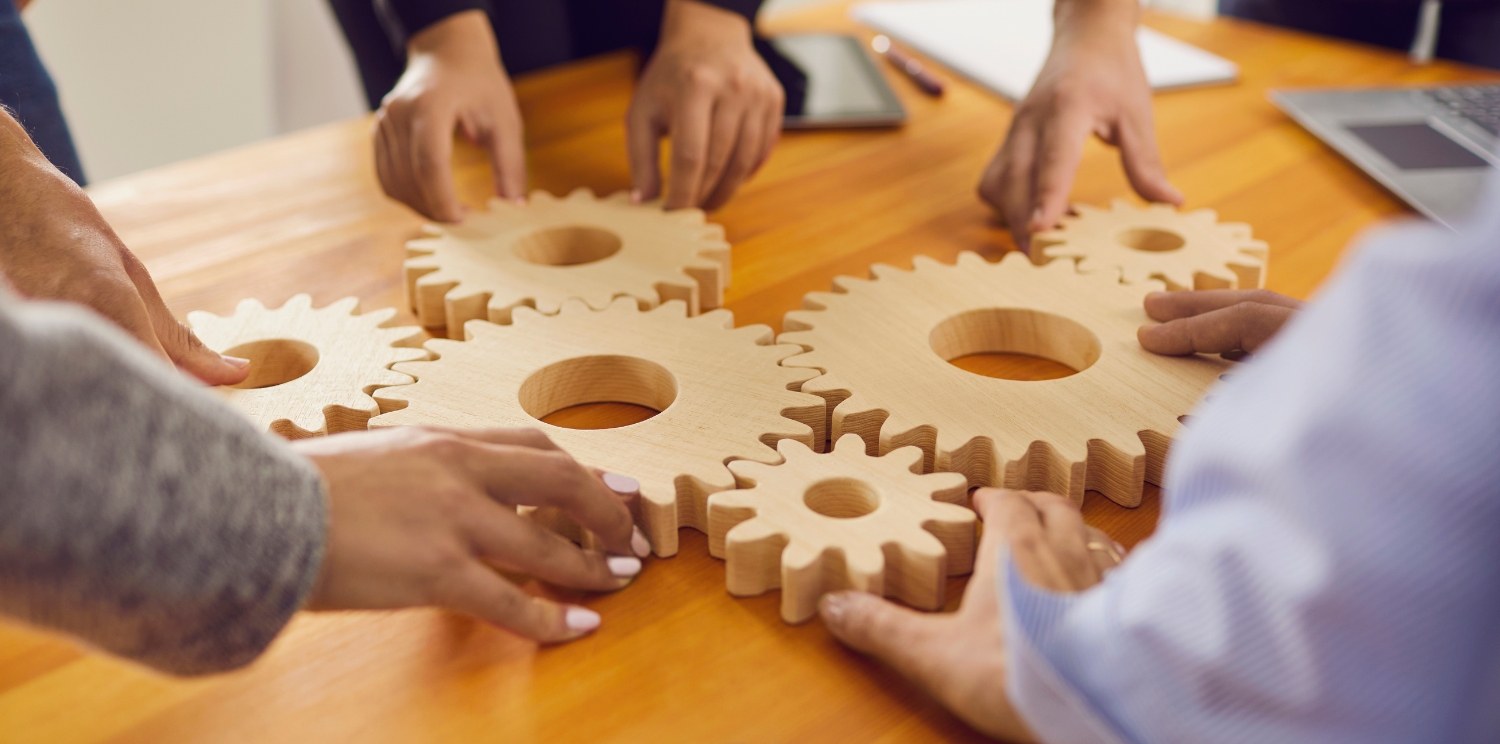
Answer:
(1477, 103)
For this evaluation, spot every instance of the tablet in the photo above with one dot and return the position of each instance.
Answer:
(830, 81)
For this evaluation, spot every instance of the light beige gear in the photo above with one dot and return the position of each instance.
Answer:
(887, 341)
(548, 250)
(823, 523)
(1184, 250)
(720, 391)
(311, 370)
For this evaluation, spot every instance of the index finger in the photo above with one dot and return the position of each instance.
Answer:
(432, 166)
(1244, 326)
(689, 133)
(525, 476)
(1060, 152)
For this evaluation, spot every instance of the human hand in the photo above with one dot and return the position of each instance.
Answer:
(1232, 322)
(1091, 83)
(54, 245)
(712, 94)
(421, 516)
(960, 658)
(453, 80)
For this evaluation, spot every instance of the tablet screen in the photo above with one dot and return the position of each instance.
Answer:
(830, 81)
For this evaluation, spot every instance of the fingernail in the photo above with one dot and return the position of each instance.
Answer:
(636, 197)
(621, 484)
(623, 566)
(833, 606)
(1036, 219)
(639, 543)
(581, 619)
(235, 361)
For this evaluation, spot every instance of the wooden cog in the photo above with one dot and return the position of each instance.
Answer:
(1184, 250)
(548, 250)
(882, 345)
(311, 370)
(720, 391)
(844, 520)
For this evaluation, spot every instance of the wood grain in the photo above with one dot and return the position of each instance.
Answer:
(677, 659)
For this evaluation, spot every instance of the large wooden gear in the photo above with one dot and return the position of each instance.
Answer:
(720, 390)
(311, 370)
(549, 250)
(883, 346)
(842, 520)
(1184, 250)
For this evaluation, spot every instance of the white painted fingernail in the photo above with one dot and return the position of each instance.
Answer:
(623, 566)
(581, 619)
(639, 543)
(622, 484)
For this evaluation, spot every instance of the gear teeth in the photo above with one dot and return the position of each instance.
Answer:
(972, 260)
(314, 367)
(845, 520)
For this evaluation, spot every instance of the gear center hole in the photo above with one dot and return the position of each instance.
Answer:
(842, 498)
(567, 246)
(1150, 239)
(274, 361)
(1015, 344)
(598, 392)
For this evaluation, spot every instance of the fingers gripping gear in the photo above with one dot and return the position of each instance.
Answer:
(721, 392)
(1184, 250)
(844, 520)
(549, 250)
(311, 370)
(881, 347)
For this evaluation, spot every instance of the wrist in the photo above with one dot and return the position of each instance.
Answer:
(459, 37)
(686, 20)
(1101, 20)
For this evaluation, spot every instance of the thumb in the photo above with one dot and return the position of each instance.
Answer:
(181, 345)
(904, 639)
(192, 356)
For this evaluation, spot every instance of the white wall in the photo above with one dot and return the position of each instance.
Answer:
(149, 82)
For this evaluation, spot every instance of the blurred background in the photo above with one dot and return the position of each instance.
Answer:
(150, 82)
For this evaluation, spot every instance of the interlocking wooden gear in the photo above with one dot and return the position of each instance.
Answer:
(548, 250)
(311, 370)
(1185, 250)
(844, 520)
(887, 340)
(720, 390)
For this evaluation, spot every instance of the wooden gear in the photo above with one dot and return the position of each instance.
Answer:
(311, 370)
(887, 341)
(720, 390)
(548, 250)
(844, 520)
(1185, 250)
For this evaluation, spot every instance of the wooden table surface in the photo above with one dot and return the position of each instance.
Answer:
(677, 659)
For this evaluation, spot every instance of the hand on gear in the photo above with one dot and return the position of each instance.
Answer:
(720, 391)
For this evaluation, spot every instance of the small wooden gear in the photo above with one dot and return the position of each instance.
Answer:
(548, 250)
(720, 391)
(884, 345)
(843, 520)
(311, 370)
(1184, 250)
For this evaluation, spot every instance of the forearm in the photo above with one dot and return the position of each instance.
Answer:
(1094, 22)
(136, 512)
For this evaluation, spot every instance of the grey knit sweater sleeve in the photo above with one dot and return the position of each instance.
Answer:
(137, 512)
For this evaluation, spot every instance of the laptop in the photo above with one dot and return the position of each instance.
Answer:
(1433, 147)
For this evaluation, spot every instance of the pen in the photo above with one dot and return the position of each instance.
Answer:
(925, 80)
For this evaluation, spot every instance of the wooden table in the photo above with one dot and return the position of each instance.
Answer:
(677, 659)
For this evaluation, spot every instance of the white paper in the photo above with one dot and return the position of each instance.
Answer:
(1001, 44)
